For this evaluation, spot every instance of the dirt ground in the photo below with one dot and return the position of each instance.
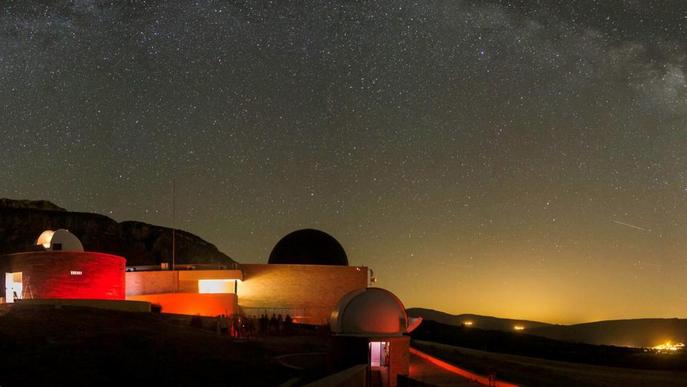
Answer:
(527, 371)
(70, 346)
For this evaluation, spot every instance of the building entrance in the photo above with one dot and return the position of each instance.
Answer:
(14, 288)
(379, 353)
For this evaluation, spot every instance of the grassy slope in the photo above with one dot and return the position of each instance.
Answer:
(533, 372)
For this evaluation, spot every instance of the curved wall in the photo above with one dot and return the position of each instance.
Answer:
(67, 274)
(308, 293)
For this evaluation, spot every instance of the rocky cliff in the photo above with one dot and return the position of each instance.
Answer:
(21, 221)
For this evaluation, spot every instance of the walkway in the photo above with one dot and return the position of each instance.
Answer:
(428, 369)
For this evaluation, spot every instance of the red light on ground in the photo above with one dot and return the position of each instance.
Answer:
(461, 372)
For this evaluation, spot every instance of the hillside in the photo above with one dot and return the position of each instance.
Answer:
(544, 348)
(481, 322)
(632, 333)
(537, 372)
(21, 221)
(626, 333)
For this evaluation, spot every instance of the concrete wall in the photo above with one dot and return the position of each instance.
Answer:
(172, 281)
(191, 303)
(67, 274)
(399, 358)
(119, 305)
(308, 292)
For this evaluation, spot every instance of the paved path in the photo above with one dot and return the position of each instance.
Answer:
(428, 369)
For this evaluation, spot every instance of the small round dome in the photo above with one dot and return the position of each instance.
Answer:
(44, 238)
(369, 312)
(308, 247)
(60, 240)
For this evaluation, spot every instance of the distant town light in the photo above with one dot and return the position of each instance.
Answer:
(668, 347)
(467, 323)
(519, 328)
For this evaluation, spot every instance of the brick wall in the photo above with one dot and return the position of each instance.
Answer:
(68, 274)
(150, 282)
(308, 292)
(169, 281)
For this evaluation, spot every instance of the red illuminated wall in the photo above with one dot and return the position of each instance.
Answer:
(67, 274)
(192, 303)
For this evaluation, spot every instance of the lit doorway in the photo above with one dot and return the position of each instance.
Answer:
(13, 287)
(379, 353)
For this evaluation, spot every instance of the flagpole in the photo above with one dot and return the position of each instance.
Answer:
(173, 224)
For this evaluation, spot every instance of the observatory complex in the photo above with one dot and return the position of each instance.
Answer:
(307, 277)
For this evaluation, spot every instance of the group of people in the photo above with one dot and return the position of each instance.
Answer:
(275, 325)
(239, 326)
(231, 325)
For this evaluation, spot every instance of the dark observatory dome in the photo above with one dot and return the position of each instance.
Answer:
(308, 247)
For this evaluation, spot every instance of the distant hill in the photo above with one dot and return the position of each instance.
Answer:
(21, 221)
(632, 333)
(524, 344)
(628, 333)
(481, 322)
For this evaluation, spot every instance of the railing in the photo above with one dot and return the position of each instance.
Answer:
(190, 266)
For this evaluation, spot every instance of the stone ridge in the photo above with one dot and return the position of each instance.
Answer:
(21, 221)
(30, 204)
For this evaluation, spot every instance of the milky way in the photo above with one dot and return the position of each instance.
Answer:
(481, 157)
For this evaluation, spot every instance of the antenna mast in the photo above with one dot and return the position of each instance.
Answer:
(173, 223)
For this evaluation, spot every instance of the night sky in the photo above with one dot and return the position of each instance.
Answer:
(514, 158)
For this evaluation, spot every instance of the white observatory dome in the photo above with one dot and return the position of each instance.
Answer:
(60, 240)
(369, 312)
(44, 238)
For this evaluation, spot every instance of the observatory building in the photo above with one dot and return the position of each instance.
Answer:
(59, 268)
(306, 275)
(368, 327)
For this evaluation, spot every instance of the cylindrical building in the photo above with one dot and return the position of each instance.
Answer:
(62, 271)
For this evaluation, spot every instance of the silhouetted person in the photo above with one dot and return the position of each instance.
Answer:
(223, 325)
(274, 323)
(264, 322)
(288, 324)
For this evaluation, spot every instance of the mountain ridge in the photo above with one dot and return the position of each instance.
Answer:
(21, 221)
(637, 332)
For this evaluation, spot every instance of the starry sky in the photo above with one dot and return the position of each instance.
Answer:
(522, 159)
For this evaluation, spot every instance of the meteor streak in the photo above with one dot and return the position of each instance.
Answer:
(631, 226)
